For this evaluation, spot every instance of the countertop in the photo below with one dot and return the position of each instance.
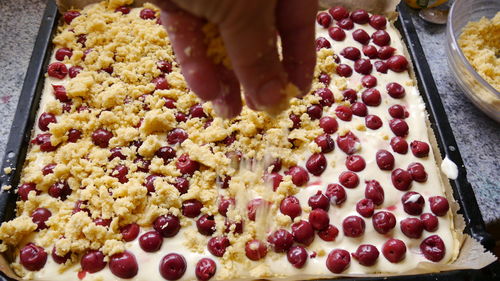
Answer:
(476, 134)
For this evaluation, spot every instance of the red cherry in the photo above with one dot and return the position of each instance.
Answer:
(363, 66)
(397, 63)
(385, 160)
(273, 178)
(319, 200)
(383, 222)
(82, 39)
(101, 137)
(322, 42)
(326, 96)
(360, 16)
(191, 208)
(318, 218)
(344, 70)
(60, 190)
(63, 52)
(328, 124)
(39, 216)
(399, 127)
(395, 90)
(167, 225)
(350, 95)
(196, 111)
(325, 142)
(255, 250)
(44, 141)
(336, 193)
(329, 234)
(348, 143)
(48, 169)
(57, 70)
(70, 15)
(359, 109)
(79, 208)
(401, 179)
(385, 52)
(370, 51)
(130, 232)
(281, 240)
(378, 21)
(394, 250)
(369, 81)
(74, 71)
(419, 149)
(373, 122)
(303, 232)
(374, 191)
(324, 19)
(338, 260)
(361, 36)
(371, 97)
(206, 225)
(32, 257)
(180, 117)
(295, 121)
(353, 226)
(93, 261)
(412, 227)
(365, 207)
(355, 163)
(430, 221)
(217, 245)
(120, 172)
(399, 145)
(181, 184)
(339, 12)
(397, 111)
(316, 164)
(324, 78)
(164, 66)
(147, 14)
(381, 38)
(161, 83)
(351, 53)
(314, 111)
(123, 265)
(60, 259)
(224, 205)
(290, 206)
(417, 172)
(252, 207)
(205, 269)
(123, 9)
(166, 153)
(299, 175)
(60, 93)
(381, 66)
(297, 256)
(172, 266)
(336, 33)
(366, 254)
(74, 135)
(177, 135)
(344, 113)
(349, 179)
(413, 203)
(187, 166)
(433, 248)
(439, 205)
(346, 24)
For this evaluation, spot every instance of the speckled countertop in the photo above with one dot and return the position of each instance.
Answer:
(477, 135)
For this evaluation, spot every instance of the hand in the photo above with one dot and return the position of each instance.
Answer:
(249, 31)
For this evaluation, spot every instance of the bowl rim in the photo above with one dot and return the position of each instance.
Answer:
(450, 27)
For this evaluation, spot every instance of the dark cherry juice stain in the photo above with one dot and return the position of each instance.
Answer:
(5, 99)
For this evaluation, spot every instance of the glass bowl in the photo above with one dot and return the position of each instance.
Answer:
(482, 94)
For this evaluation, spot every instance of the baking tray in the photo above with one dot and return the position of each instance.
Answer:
(24, 119)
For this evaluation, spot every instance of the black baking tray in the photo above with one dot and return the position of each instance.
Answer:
(29, 99)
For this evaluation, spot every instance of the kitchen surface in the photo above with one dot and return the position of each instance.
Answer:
(477, 135)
